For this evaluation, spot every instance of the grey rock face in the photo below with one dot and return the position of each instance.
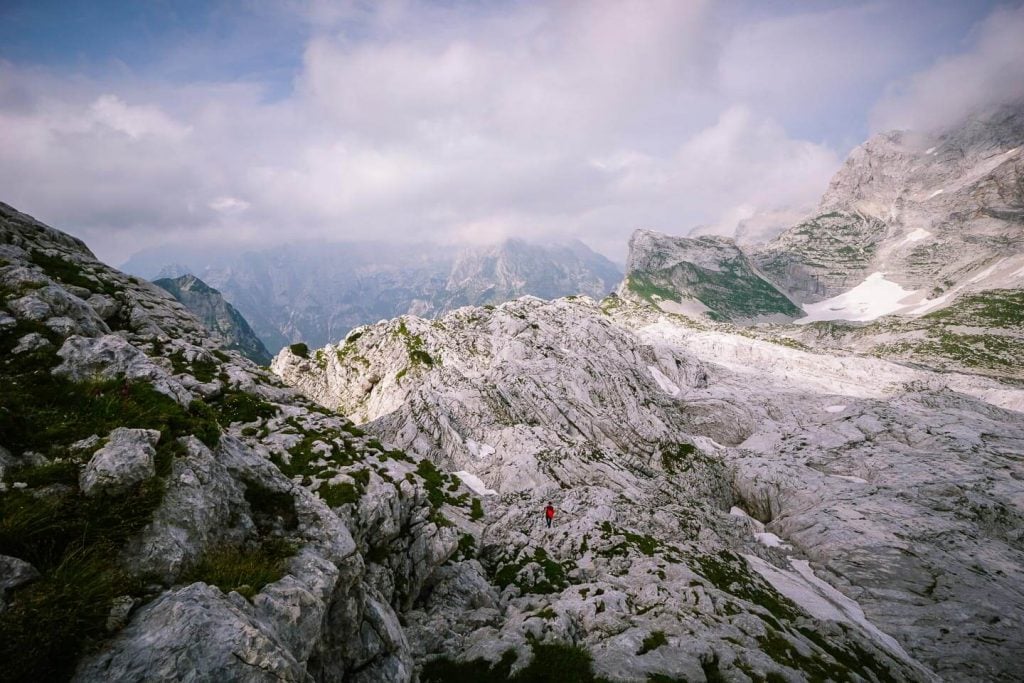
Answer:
(936, 213)
(31, 342)
(127, 459)
(14, 573)
(200, 510)
(194, 633)
(112, 357)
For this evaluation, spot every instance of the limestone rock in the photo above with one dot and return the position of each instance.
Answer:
(111, 357)
(200, 509)
(193, 633)
(127, 459)
(14, 573)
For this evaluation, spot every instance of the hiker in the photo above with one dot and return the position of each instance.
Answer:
(549, 513)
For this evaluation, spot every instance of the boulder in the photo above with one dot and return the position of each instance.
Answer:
(14, 573)
(126, 460)
(194, 633)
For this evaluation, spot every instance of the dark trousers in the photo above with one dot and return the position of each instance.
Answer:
(549, 522)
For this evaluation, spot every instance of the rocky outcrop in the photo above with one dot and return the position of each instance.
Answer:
(644, 430)
(127, 459)
(220, 317)
(14, 573)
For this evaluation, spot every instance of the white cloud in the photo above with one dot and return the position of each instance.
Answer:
(135, 121)
(450, 122)
(989, 72)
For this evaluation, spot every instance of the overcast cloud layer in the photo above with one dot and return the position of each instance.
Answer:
(412, 121)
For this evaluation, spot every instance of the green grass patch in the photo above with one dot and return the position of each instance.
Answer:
(202, 369)
(553, 577)
(337, 495)
(70, 273)
(729, 572)
(652, 642)
(245, 570)
(239, 406)
(447, 670)
(551, 663)
(53, 621)
(414, 346)
(678, 457)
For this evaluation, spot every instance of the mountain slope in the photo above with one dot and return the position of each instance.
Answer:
(644, 431)
(168, 510)
(705, 275)
(220, 317)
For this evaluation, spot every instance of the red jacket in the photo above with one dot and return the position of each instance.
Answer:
(549, 512)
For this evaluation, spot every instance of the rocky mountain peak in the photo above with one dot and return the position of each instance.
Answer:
(929, 217)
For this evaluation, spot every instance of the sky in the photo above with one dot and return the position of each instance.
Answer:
(257, 122)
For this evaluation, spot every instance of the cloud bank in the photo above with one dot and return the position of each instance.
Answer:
(989, 72)
(406, 121)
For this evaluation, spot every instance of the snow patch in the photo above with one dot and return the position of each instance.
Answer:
(475, 483)
(667, 385)
(871, 299)
(915, 236)
(847, 477)
(930, 150)
(934, 194)
(834, 409)
(771, 540)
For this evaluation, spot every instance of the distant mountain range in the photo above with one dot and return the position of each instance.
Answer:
(317, 292)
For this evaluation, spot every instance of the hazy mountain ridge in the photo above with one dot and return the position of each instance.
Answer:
(316, 293)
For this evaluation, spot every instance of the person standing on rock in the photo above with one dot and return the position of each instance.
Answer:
(549, 513)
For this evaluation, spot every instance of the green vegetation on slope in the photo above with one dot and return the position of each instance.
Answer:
(733, 293)
(71, 539)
